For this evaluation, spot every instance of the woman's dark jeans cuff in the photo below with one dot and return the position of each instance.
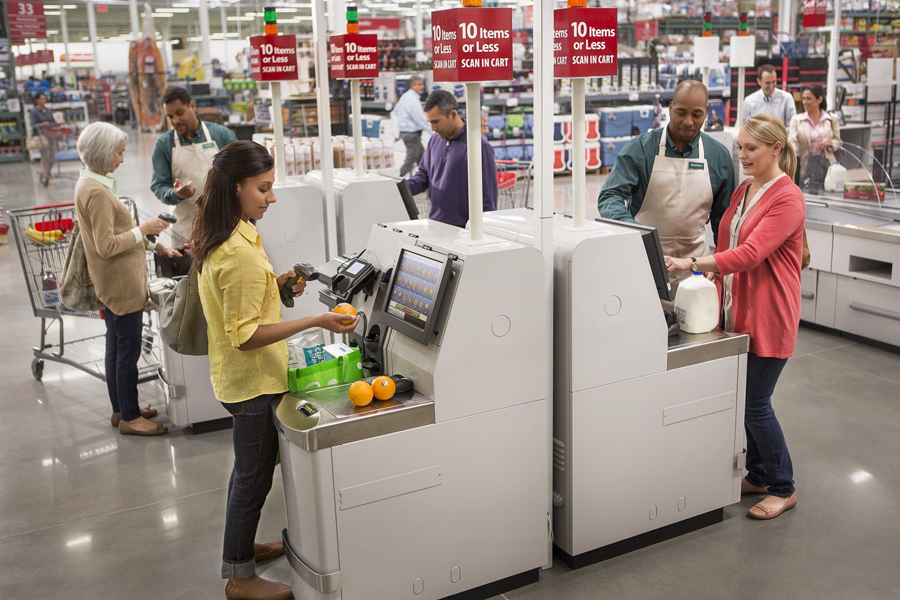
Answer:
(238, 570)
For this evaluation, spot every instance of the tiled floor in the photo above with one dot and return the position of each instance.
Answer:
(87, 513)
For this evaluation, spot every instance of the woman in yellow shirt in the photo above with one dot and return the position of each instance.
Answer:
(248, 351)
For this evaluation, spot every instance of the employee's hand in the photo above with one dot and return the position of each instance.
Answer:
(710, 276)
(167, 252)
(298, 288)
(678, 265)
(184, 191)
(153, 226)
(332, 322)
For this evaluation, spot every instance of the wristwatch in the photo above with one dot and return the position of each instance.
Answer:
(694, 266)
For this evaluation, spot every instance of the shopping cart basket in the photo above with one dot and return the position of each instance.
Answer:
(42, 236)
(513, 183)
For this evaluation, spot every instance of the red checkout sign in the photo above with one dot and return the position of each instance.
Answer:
(472, 44)
(273, 58)
(354, 56)
(26, 21)
(585, 42)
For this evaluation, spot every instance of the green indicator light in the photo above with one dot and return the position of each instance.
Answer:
(352, 14)
(269, 14)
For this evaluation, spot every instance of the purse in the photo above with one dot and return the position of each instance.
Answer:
(76, 290)
(182, 325)
(33, 143)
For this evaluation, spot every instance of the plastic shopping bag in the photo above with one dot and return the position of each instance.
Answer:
(344, 369)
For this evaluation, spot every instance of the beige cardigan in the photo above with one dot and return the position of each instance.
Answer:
(800, 136)
(116, 263)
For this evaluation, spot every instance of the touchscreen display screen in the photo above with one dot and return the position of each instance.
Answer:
(415, 285)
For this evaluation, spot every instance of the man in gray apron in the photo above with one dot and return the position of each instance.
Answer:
(676, 179)
(183, 156)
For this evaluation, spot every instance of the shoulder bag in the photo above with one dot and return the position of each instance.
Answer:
(182, 324)
(76, 290)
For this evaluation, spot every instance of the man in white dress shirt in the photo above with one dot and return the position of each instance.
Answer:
(768, 99)
(411, 122)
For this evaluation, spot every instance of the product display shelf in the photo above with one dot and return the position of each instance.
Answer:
(12, 138)
(71, 113)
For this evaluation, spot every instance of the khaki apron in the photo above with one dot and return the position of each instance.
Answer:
(191, 163)
(678, 199)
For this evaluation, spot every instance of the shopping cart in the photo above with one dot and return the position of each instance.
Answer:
(513, 183)
(63, 140)
(42, 236)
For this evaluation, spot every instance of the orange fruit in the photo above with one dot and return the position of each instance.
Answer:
(345, 309)
(383, 387)
(360, 393)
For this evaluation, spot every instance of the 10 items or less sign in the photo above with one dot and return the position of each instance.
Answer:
(585, 42)
(354, 56)
(273, 58)
(472, 44)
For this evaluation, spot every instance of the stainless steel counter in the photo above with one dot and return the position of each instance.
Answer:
(325, 417)
(688, 349)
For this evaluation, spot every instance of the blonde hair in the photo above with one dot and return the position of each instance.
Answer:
(770, 130)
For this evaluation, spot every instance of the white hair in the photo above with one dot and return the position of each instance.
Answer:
(96, 145)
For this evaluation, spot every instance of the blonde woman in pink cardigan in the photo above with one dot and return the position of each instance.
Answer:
(757, 264)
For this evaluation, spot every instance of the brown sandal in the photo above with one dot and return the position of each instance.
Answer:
(147, 413)
(126, 429)
(758, 511)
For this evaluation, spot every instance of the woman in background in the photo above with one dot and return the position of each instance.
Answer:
(41, 117)
(814, 134)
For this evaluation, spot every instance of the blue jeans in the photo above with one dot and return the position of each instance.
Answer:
(768, 460)
(255, 449)
(123, 350)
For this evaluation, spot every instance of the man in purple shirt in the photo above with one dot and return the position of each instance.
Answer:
(444, 168)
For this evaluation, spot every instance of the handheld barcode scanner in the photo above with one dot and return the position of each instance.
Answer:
(302, 269)
(170, 219)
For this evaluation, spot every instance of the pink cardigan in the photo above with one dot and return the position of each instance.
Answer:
(766, 267)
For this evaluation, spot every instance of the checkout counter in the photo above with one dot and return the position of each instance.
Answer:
(442, 489)
(852, 284)
(648, 428)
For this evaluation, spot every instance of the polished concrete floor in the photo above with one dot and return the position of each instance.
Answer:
(88, 514)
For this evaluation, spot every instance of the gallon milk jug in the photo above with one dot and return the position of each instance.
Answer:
(697, 304)
(835, 178)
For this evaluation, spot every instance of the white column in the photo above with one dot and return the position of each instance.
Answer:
(278, 129)
(337, 13)
(579, 171)
(419, 26)
(543, 202)
(831, 91)
(473, 143)
(205, 58)
(320, 55)
(65, 36)
(356, 108)
(237, 12)
(135, 19)
(742, 75)
(92, 31)
(227, 58)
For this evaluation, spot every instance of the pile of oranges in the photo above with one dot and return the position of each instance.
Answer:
(361, 393)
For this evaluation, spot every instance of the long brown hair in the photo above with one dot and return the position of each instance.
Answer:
(218, 206)
(769, 130)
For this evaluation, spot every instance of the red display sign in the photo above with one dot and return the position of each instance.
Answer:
(354, 55)
(41, 57)
(82, 57)
(814, 13)
(379, 24)
(645, 30)
(585, 42)
(520, 36)
(26, 20)
(472, 44)
(273, 58)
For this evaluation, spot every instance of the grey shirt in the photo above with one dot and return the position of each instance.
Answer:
(780, 104)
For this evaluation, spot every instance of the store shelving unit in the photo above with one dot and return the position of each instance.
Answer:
(12, 126)
(73, 113)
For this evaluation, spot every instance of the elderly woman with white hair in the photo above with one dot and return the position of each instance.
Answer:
(115, 249)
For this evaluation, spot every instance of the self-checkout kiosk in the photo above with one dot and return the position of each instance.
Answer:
(442, 489)
(647, 426)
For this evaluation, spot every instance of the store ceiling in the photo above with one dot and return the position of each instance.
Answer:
(184, 22)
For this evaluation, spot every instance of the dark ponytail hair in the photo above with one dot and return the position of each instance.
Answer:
(818, 92)
(218, 207)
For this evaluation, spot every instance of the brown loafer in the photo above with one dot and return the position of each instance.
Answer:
(759, 511)
(268, 551)
(147, 413)
(749, 488)
(126, 429)
(257, 588)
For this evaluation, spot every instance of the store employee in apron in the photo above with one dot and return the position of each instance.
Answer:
(183, 156)
(676, 180)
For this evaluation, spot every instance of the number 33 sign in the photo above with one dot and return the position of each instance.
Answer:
(26, 20)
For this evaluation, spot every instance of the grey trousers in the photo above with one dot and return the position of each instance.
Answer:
(48, 155)
(414, 151)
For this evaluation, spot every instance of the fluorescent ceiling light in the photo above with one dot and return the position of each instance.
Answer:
(174, 10)
(239, 18)
(184, 4)
(52, 14)
(163, 15)
(280, 9)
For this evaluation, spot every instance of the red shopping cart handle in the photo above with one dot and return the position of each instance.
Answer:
(46, 206)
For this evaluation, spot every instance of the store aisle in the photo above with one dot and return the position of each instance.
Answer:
(86, 513)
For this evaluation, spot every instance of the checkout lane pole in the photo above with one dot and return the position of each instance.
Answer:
(278, 129)
(543, 209)
(579, 171)
(65, 36)
(355, 105)
(742, 73)
(834, 49)
(323, 105)
(473, 142)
